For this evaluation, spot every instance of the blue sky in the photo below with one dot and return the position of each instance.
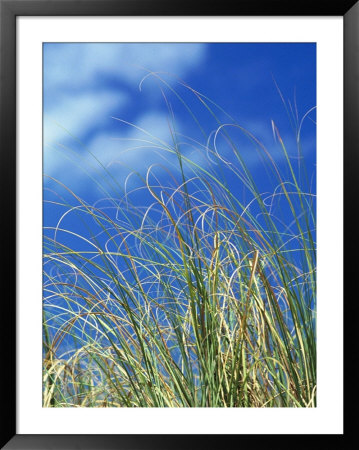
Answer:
(93, 91)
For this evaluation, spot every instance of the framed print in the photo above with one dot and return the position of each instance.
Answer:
(173, 222)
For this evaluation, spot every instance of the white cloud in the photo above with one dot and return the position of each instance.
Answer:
(81, 94)
(75, 65)
(74, 117)
(73, 114)
(134, 148)
(122, 151)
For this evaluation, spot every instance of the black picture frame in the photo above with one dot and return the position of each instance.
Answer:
(9, 10)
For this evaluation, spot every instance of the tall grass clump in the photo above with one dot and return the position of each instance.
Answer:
(194, 288)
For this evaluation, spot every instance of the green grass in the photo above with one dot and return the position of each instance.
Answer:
(197, 300)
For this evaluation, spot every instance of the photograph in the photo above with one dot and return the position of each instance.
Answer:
(179, 225)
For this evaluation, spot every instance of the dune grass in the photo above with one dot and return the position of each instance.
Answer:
(198, 297)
